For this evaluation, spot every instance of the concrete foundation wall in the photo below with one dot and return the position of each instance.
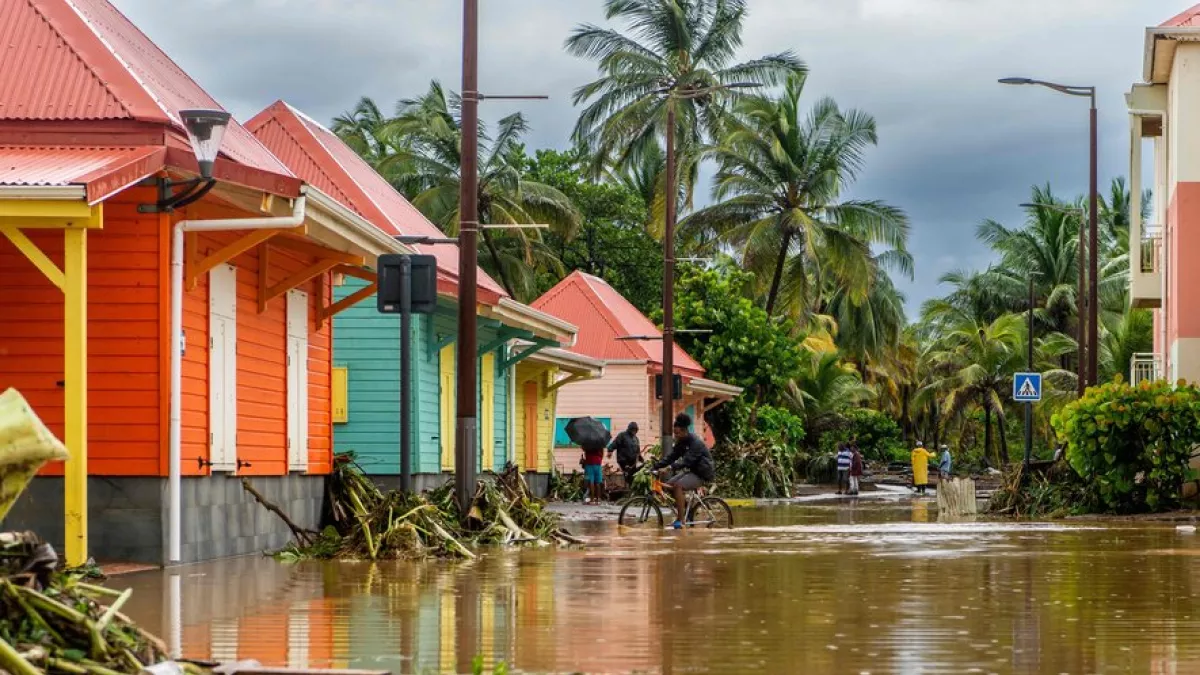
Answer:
(127, 518)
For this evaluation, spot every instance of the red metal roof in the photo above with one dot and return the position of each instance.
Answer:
(102, 171)
(82, 60)
(1187, 19)
(603, 315)
(321, 159)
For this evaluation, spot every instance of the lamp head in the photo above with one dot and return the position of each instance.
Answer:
(205, 129)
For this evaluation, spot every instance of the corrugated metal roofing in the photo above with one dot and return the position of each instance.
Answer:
(84, 60)
(1187, 19)
(43, 77)
(603, 315)
(66, 166)
(320, 158)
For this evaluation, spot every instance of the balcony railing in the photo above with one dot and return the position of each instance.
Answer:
(1145, 368)
(1151, 253)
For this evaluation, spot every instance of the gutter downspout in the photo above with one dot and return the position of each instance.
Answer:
(174, 459)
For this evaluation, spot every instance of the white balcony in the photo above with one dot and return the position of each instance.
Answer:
(1145, 368)
(1147, 112)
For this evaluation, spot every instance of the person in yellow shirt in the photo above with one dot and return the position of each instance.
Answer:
(920, 467)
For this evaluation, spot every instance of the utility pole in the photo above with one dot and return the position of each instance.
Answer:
(466, 434)
(668, 357)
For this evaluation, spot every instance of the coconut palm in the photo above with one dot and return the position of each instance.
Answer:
(868, 331)
(1046, 248)
(825, 387)
(980, 360)
(362, 128)
(424, 161)
(682, 47)
(778, 193)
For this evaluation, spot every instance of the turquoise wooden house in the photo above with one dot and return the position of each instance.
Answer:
(366, 344)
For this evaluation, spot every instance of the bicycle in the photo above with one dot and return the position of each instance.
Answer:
(700, 509)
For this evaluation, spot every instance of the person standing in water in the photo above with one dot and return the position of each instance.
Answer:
(944, 464)
(843, 468)
(920, 467)
(629, 451)
(856, 467)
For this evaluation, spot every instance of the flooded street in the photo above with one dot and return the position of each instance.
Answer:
(878, 588)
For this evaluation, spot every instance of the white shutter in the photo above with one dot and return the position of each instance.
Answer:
(222, 367)
(297, 380)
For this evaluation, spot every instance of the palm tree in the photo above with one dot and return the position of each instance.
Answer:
(1047, 248)
(981, 360)
(975, 362)
(682, 47)
(973, 299)
(423, 162)
(868, 331)
(825, 387)
(362, 128)
(779, 199)
(1132, 334)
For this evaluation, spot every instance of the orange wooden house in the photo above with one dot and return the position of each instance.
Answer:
(170, 348)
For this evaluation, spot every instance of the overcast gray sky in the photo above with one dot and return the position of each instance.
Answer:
(955, 147)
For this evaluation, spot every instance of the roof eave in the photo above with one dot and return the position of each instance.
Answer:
(352, 227)
(716, 389)
(56, 193)
(1153, 35)
(512, 313)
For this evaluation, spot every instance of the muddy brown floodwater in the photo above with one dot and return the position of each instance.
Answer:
(847, 589)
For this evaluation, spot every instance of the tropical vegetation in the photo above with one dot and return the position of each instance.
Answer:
(795, 298)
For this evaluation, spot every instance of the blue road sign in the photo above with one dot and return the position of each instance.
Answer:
(1027, 387)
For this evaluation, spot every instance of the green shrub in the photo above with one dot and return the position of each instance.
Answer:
(772, 425)
(1131, 445)
(879, 437)
(763, 457)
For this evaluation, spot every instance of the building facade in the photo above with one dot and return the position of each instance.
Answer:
(1162, 108)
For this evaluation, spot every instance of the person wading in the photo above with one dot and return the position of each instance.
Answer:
(856, 467)
(920, 467)
(629, 450)
(844, 457)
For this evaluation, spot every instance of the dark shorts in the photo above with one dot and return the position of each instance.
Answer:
(687, 480)
(594, 473)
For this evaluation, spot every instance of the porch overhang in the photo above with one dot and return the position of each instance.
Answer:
(711, 389)
(512, 313)
(577, 365)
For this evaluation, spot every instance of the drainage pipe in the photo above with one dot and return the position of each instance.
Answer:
(174, 460)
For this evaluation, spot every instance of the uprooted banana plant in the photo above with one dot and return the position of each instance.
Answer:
(364, 522)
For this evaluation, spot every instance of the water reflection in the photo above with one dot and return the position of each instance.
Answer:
(846, 588)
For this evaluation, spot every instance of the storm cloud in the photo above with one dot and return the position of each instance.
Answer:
(955, 147)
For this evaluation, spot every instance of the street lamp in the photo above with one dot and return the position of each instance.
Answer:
(673, 93)
(1080, 295)
(1093, 330)
(205, 129)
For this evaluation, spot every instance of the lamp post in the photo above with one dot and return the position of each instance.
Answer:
(674, 93)
(1028, 405)
(1080, 295)
(1093, 330)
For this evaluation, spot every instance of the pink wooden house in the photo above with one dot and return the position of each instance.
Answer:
(626, 391)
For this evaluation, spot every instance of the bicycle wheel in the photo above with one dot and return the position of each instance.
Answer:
(640, 511)
(710, 512)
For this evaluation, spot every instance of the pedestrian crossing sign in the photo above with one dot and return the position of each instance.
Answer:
(1027, 387)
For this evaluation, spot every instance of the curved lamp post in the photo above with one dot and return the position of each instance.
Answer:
(1088, 366)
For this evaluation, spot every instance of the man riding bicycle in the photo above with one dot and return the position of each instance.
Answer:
(691, 463)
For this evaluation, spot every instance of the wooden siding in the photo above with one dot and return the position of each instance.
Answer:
(126, 431)
(368, 345)
(537, 375)
(622, 395)
(261, 365)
